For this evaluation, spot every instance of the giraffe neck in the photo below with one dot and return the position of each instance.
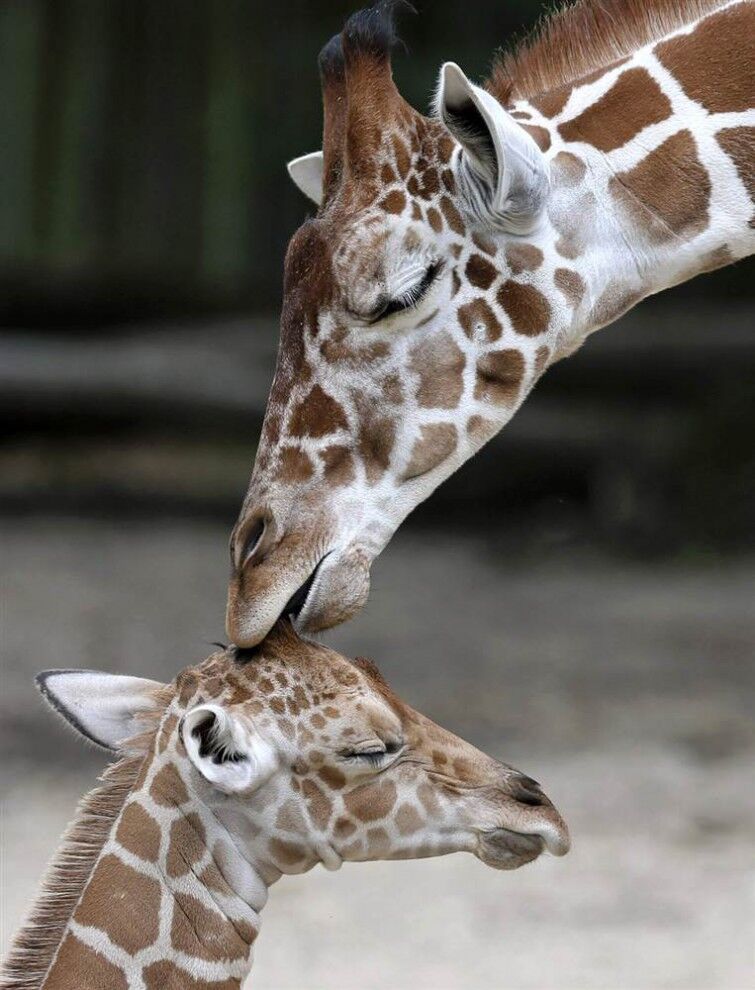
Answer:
(170, 902)
(649, 159)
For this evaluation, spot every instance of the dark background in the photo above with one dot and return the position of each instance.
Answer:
(577, 599)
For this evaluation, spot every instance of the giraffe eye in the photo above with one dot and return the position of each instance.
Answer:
(373, 754)
(409, 299)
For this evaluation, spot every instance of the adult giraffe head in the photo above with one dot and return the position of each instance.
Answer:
(454, 257)
(376, 399)
(250, 765)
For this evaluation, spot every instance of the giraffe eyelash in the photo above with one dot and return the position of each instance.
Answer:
(412, 297)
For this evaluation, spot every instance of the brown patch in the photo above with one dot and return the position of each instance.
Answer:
(427, 796)
(394, 202)
(499, 377)
(436, 442)
(435, 220)
(375, 439)
(613, 303)
(452, 215)
(332, 777)
(526, 307)
(166, 975)
(139, 833)
(330, 712)
(318, 721)
(523, 257)
(667, 193)
(344, 828)
(439, 363)
(569, 170)
(445, 148)
(187, 845)
(635, 101)
(76, 965)
(401, 156)
(478, 313)
(449, 182)
(484, 243)
(317, 415)
(287, 853)
(429, 183)
(205, 933)
(338, 465)
(739, 144)
(278, 706)
(168, 789)
(570, 283)
(166, 732)
(541, 359)
(294, 466)
(319, 805)
(289, 817)
(372, 801)
(549, 104)
(378, 842)
(387, 174)
(713, 64)
(480, 272)
(408, 819)
(540, 135)
(122, 902)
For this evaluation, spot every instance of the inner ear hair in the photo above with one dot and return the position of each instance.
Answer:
(213, 743)
(466, 121)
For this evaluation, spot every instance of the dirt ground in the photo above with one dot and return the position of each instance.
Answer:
(626, 689)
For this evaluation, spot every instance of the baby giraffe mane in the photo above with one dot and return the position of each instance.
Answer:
(34, 947)
(586, 36)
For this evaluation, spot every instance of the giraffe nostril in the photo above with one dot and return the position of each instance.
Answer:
(248, 540)
(527, 791)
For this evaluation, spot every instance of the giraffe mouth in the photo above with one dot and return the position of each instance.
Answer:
(504, 849)
(297, 601)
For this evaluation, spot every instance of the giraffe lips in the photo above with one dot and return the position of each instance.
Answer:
(297, 601)
(506, 850)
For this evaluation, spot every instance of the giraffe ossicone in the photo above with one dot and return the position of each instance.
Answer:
(454, 258)
(251, 765)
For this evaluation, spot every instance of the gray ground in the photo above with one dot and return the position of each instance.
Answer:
(626, 689)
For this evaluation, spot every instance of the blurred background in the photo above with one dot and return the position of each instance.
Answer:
(578, 600)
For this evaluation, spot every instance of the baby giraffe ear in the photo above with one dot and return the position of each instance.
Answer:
(503, 173)
(104, 708)
(227, 749)
(307, 175)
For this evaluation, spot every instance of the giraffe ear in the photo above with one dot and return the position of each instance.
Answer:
(227, 750)
(104, 708)
(503, 173)
(307, 173)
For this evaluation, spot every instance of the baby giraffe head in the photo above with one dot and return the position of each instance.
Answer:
(295, 755)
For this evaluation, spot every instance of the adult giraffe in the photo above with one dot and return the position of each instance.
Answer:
(246, 767)
(454, 258)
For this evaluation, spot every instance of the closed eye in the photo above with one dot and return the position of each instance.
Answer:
(409, 299)
(373, 754)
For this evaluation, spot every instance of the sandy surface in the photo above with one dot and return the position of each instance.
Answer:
(626, 689)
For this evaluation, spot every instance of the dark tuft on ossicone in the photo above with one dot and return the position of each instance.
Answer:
(372, 31)
(330, 60)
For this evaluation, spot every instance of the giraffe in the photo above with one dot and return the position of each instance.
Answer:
(253, 764)
(454, 258)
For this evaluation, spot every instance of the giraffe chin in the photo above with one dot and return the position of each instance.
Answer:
(506, 850)
(339, 589)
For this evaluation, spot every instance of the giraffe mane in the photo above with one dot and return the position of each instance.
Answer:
(34, 947)
(579, 38)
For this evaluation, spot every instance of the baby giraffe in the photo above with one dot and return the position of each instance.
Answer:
(248, 766)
